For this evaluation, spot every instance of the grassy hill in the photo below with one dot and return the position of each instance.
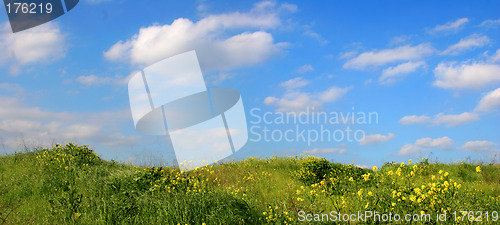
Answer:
(72, 185)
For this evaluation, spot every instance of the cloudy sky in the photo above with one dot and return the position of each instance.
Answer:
(431, 72)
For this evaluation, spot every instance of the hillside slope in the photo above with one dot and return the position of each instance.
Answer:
(72, 185)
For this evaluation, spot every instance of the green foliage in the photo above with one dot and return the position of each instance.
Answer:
(313, 169)
(70, 184)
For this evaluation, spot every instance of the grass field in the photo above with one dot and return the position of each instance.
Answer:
(72, 185)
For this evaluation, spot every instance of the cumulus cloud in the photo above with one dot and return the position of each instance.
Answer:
(480, 146)
(376, 138)
(466, 75)
(296, 100)
(442, 143)
(441, 119)
(208, 36)
(325, 151)
(305, 68)
(489, 102)
(410, 149)
(424, 144)
(392, 74)
(385, 56)
(467, 43)
(453, 26)
(41, 44)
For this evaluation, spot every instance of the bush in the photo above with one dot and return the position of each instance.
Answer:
(313, 169)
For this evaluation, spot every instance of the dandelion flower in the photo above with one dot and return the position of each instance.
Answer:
(375, 169)
(478, 169)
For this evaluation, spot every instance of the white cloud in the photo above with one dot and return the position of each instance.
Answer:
(310, 33)
(480, 146)
(305, 68)
(93, 80)
(466, 75)
(295, 100)
(208, 36)
(451, 26)
(41, 44)
(392, 74)
(376, 138)
(218, 78)
(287, 7)
(41, 127)
(325, 151)
(490, 23)
(423, 145)
(332, 94)
(294, 83)
(441, 143)
(410, 149)
(467, 43)
(489, 102)
(414, 119)
(349, 54)
(364, 166)
(382, 57)
(441, 119)
(11, 88)
(399, 39)
(496, 56)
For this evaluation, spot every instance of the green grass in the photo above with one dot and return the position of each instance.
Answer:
(71, 185)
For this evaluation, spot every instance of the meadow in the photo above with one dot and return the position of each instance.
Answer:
(70, 184)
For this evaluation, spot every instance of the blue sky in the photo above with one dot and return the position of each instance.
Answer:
(430, 70)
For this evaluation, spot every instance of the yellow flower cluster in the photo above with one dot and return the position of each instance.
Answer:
(274, 215)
